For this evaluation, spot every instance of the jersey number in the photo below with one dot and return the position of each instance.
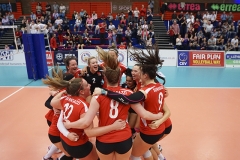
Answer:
(113, 109)
(160, 100)
(67, 110)
(94, 80)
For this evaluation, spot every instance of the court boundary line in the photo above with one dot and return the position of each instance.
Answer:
(11, 94)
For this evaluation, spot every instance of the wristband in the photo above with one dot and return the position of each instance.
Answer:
(103, 92)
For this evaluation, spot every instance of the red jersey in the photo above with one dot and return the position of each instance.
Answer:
(109, 112)
(73, 108)
(154, 104)
(49, 115)
(123, 69)
(53, 129)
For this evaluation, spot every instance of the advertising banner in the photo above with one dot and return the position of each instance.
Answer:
(118, 6)
(12, 58)
(223, 7)
(59, 56)
(49, 56)
(8, 7)
(83, 55)
(169, 57)
(192, 7)
(232, 59)
(201, 58)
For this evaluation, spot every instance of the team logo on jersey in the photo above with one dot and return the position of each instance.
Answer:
(120, 57)
(84, 56)
(59, 56)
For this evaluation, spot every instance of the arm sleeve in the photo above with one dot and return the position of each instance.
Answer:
(131, 99)
(60, 125)
(48, 101)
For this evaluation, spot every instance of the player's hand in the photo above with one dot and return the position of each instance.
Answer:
(66, 124)
(77, 73)
(72, 136)
(97, 91)
(155, 124)
(119, 124)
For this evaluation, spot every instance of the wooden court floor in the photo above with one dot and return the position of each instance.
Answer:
(206, 124)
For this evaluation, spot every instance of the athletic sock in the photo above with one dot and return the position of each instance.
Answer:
(53, 149)
(161, 157)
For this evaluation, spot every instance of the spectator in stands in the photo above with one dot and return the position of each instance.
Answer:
(174, 16)
(11, 18)
(97, 31)
(53, 43)
(74, 15)
(23, 24)
(51, 29)
(149, 16)
(88, 42)
(80, 42)
(48, 9)
(224, 17)
(128, 34)
(163, 10)
(225, 29)
(200, 36)
(183, 26)
(5, 20)
(180, 17)
(231, 30)
(143, 12)
(238, 29)
(110, 38)
(102, 28)
(149, 42)
(228, 46)
(85, 33)
(18, 34)
(110, 17)
(123, 22)
(130, 46)
(179, 41)
(55, 7)
(213, 18)
(78, 23)
(151, 4)
(55, 14)
(194, 43)
(176, 29)
(114, 35)
(130, 15)
(33, 16)
(208, 29)
(196, 25)
(39, 9)
(103, 17)
(6, 47)
(136, 15)
(234, 43)
(119, 34)
(204, 45)
(32, 26)
(89, 23)
(230, 18)
(68, 34)
(151, 26)
(94, 17)
(122, 15)
(170, 32)
(214, 33)
(62, 11)
(144, 34)
(111, 26)
(145, 25)
(65, 23)
(69, 43)
(58, 22)
(212, 43)
(185, 42)
(199, 16)
(220, 42)
(122, 46)
(186, 15)
(60, 34)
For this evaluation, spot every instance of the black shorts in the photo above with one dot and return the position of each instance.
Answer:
(119, 147)
(168, 130)
(54, 139)
(131, 110)
(151, 139)
(80, 151)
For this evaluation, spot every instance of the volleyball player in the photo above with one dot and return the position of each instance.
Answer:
(53, 132)
(114, 144)
(153, 96)
(72, 66)
(94, 75)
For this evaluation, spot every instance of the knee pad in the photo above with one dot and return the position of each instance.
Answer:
(147, 154)
(135, 158)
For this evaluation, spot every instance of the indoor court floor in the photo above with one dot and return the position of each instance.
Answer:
(204, 102)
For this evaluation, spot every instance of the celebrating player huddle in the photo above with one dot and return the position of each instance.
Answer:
(131, 119)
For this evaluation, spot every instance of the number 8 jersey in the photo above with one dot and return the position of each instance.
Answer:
(110, 111)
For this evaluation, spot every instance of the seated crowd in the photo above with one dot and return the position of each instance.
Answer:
(204, 32)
